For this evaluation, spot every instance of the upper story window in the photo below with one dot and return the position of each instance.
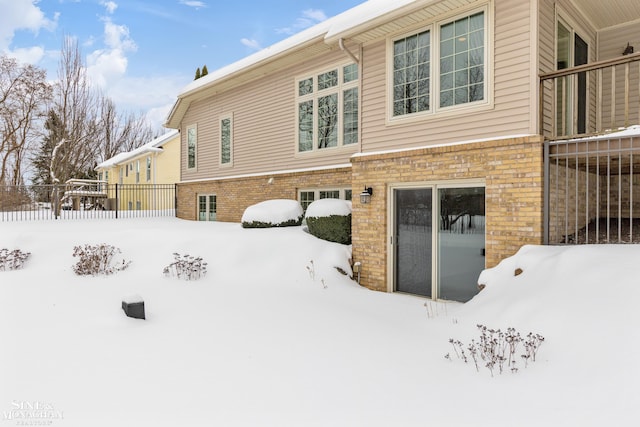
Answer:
(226, 140)
(137, 171)
(148, 169)
(192, 142)
(327, 113)
(440, 67)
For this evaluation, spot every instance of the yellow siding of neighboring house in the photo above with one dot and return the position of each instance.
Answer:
(166, 165)
(132, 193)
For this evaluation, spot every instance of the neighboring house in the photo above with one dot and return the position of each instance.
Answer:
(448, 111)
(139, 171)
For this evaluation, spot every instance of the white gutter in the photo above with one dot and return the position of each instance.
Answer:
(347, 51)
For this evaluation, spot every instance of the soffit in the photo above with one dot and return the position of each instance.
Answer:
(384, 26)
(606, 13)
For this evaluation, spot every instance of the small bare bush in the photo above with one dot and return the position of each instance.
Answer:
(97, 259)
(186, 267)
(498, 350)
(12, 260)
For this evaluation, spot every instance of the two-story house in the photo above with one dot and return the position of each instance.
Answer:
(139, 172)
(440, 118)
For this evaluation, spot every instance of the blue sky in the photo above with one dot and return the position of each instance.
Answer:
(141, 53)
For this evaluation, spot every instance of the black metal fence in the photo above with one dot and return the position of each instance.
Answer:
(85, 199)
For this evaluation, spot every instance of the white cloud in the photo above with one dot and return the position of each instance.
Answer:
(29, 55)
(117, 36)
(22, 15)
(106, 66)
(110, 6)
(251, 43)
(155, 95)
(316, 15)
(193, 3)
(309, 18)
(156, 117)
(89, 42)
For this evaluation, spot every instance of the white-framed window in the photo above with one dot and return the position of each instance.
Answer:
(137, 171)
(226, 139)
(327, 108)
(308, 196)
(121, 174)
(148, 168)
(192, 146)
(439, 67)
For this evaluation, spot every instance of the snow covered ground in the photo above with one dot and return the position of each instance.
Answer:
(274, 335)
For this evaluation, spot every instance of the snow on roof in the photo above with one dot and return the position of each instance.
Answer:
(631, 131)
(329, 28)
(363, 14)
(150, 147)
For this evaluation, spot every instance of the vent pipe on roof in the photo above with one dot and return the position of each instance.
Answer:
(347, 51)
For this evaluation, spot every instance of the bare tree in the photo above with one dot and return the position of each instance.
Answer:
(76, 104)
(24, 94)
(120, 132)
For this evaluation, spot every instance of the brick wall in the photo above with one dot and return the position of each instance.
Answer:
(511, 168)
(233, 196)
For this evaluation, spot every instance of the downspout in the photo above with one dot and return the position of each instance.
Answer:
(347, 51)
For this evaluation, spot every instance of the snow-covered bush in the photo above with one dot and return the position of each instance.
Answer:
(186, 267)
(12, 260)
(97, 259)
(273, 213)
(498, 350)
(330, 219)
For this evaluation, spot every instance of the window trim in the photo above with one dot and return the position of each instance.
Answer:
(435, 111)
(339, 89)
(229, 117)
(195, 150)
(148, 168)
(316, 191)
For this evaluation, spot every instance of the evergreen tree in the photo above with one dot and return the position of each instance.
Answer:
(41, 161)
(198, 75)
(204, 71)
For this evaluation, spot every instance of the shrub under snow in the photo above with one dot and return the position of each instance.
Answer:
(330, 219)
(12, 260)
(97, 259)
(273, 213)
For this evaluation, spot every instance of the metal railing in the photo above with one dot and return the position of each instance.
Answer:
(592, 190)
(84, 199)
(590, 99)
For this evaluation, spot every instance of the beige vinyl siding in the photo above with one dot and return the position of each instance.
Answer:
(546, 54)
(264, 126)
(510, 114)
(611, 45)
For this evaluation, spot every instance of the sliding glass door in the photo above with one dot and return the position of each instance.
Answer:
(413, 241)
(438, 240)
